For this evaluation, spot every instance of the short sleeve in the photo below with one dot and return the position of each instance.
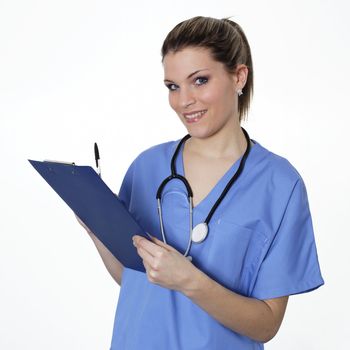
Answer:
(291, 263)
(126, 187)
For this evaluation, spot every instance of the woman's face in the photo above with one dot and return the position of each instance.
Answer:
(201, 91)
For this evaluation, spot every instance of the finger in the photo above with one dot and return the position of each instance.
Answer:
(146, 256)
(151, 247)
(147, 267)
(162, 244)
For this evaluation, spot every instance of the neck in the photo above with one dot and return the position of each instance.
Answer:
(223, 144)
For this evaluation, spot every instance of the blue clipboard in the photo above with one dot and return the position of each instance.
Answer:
(97, 206)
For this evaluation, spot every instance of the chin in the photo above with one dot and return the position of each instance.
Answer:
(199, 133)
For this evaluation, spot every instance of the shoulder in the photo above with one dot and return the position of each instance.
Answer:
(156, 153)
(158, 149)
(278, 170)
(278, 165)
(279, 185)
(152, 161)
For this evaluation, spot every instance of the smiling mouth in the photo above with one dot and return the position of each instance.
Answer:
(194, 117)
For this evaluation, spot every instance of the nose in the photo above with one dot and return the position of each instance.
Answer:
(186, 97)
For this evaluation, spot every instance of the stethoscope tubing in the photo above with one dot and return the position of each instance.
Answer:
(232, 180)
(175, 175)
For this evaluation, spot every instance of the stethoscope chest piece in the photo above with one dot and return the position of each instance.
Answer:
(200, 232)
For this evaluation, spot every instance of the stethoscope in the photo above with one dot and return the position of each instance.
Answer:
(200, 231)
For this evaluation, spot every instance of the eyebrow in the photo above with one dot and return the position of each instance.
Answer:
(199, 70)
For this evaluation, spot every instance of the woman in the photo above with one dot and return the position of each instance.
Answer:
(231, 289)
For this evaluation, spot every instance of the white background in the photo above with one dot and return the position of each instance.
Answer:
(75, 72)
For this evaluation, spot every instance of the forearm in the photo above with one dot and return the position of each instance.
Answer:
(113, 265)
(247, 316)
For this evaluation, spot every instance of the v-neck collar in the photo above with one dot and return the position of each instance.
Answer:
(209, 200)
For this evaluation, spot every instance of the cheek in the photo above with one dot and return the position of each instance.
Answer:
(172, 101)
(221, 98)
(211, 97)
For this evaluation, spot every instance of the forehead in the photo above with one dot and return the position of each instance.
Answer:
(188, 60)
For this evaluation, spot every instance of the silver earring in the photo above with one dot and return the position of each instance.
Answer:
(239, 92)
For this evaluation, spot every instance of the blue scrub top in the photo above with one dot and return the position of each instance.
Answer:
(260, 244)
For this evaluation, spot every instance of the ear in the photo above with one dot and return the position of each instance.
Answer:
(240, 76)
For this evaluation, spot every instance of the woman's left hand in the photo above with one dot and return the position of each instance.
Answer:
(164, 264)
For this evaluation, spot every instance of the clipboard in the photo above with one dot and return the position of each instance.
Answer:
(97, 206)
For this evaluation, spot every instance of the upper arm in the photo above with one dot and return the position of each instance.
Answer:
(125, 190)
(292, 250)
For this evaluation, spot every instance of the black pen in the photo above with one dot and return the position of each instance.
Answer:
(97, 159)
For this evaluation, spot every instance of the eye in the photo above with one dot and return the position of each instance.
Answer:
(198, 81)
(202, 80)
(171, 87)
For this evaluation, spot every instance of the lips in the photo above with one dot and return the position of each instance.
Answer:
(194, 116)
